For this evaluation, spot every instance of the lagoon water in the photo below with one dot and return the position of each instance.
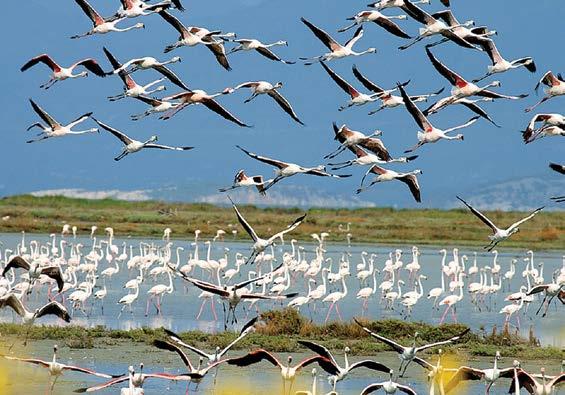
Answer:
(180, 308)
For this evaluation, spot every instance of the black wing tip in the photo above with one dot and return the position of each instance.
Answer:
(170, 333)
(249, 324)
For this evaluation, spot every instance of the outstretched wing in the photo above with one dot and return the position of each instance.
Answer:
(479, 215)
(55, 308)
(518, 223)
(448, 341)
(412, 181)
(171, 76)
(366, 82)
(391, 27)
(264, 159)
(324, 37)
(173, 348)
(94, 16)
(397, 347)
(284, 104)
(16, 262)
(250, 231)
(218, 109)
(123, 138)
(350, 90)
(293, 226)
(448, 74)
(319, 349)
(418, 116)
(255, 357)
(44, 115)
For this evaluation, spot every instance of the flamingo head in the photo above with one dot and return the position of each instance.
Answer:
(278, 85)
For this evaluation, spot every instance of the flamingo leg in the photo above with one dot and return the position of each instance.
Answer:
(213, 306)
(201, 308)
(338, 313)
(329, 311)
(444, 315)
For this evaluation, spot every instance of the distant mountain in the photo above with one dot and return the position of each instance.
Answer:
(523, 194)
(283, 196)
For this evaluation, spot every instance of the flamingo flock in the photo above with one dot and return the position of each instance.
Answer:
(45, 278)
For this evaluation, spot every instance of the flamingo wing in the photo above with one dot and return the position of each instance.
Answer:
(480, 215)
(123, 138)
(518, 223)
(43, 58)
(255, 357)
(347, 88)
(284, 104)
(160, 344)
(366, 82)
(272, 162)
(418, 116)
(218, 109)
(44, 115)
(324, 37)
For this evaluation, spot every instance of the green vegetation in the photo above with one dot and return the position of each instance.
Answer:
(281, 329)
(368, 225)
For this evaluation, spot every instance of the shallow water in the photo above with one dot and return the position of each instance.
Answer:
(257, 379)
(180, 308)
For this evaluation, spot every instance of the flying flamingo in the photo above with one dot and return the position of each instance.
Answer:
(433, 27)
(135, 8)
(100, 24)
(63, 73)
(556, 87)
(56, 368)
(132, 146)
(531, 382)
(131, 88)
(259, 244)
(384, 175)
(408, 354)
(198, 96)
(350, 138)
(383, 4)
(500, 65)
(357, 98)
(430, 133)
(387, 98)
(251, 44)
(288, 372)
(489, 375)
(498, 234)
(285, 170)
(335, 370)
(462, 88)
(544, 131)
(196, 35)
(389, 387)
(243, 180)
(148, 62)
(337, 51)
(382, 20)
(264, 87)
(54, 128)
(157, 106)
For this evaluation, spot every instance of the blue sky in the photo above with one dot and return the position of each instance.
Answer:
(487, 156)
